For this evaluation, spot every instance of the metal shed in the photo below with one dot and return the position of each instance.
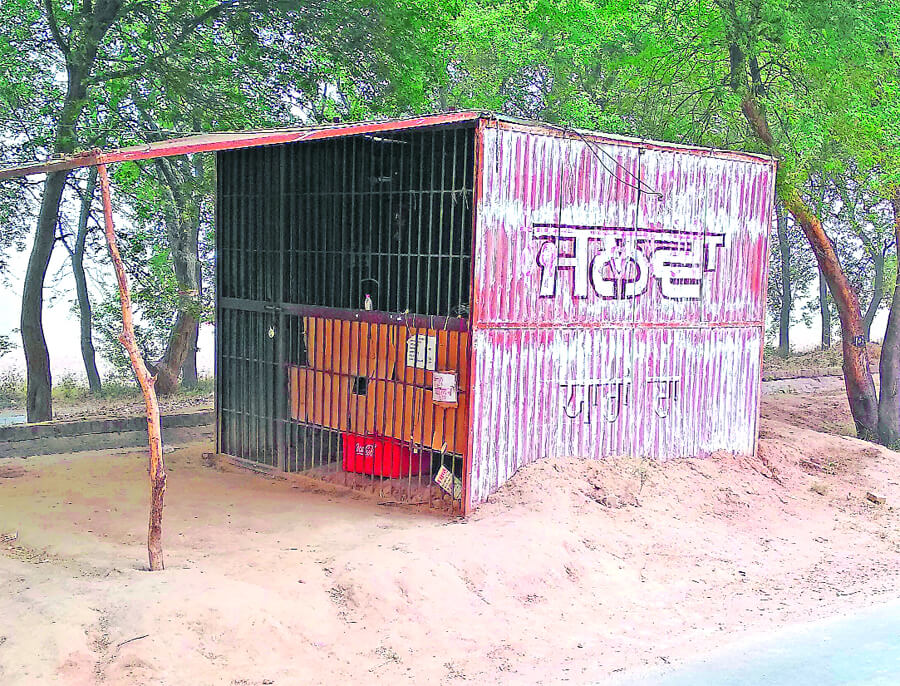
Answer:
(423, 306)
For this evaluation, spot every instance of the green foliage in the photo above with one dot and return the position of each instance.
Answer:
(75, 76)
(825, 73)
(149, 335)
(6, 345)
(168, 213)
(860, 222)
(802, 274)
(12, 389)
(826, 77)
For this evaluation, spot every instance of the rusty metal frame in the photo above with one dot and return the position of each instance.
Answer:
(233, 140)
(477, 199)
(214, 142)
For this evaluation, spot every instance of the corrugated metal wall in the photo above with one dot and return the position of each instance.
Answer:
(619, 295)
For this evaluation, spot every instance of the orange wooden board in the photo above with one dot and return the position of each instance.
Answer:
(450, 355)
(396, 401)
(352, 348)
(320, 398)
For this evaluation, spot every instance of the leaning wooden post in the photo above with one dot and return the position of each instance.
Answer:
(147, 382)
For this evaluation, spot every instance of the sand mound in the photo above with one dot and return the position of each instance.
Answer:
(575, 570)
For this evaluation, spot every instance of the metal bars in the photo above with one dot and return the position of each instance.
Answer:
(312, 236)
(384, 216)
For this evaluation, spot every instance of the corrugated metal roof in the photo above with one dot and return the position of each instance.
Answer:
(231, 140)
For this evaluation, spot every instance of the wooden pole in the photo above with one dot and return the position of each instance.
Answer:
(147, 382)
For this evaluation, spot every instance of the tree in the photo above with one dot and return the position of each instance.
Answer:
(77, 38)
(115, 57)
(77, 33)
(24, 84)
(159, 242)
(873, 134)
(175, 208)
(263, 56)
(857, 222)
(83, 300)
(6, 345)
(784, 310)
(889, 364)
(791, 269)
(807, 82)
(181, 178)
(825, 304)
(857, 218)
(746, 30)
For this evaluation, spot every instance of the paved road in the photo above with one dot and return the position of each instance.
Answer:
(855, 650)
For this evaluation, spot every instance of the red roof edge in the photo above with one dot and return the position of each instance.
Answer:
(212, 142)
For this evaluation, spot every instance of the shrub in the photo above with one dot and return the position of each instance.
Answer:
(12, 389)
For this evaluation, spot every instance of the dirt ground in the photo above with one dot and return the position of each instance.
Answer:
(576, 572)
(809, 363)
(131, 404)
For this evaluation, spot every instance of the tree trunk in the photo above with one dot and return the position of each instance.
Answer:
(784, 248)
(84, 302)
(889, 365)
(93, 23)
(183, 225)
(857, 374)
(189, 368)
(169, 367)
(824, 311)
(147, 382)
(877, 293)
(38, 400)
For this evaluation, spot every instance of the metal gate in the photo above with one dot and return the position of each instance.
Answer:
(342, 338)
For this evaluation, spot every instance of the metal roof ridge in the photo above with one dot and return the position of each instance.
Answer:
(211, 141)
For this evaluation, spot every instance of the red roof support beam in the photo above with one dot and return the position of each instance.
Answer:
(212, 142)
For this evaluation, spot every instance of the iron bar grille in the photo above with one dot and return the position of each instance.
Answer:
(344, 272)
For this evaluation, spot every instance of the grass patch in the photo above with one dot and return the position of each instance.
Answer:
(72, 389)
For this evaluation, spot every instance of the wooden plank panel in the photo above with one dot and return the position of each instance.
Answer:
(352, 348)
(320, 398)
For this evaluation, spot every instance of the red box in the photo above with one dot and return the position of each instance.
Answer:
(380, 456)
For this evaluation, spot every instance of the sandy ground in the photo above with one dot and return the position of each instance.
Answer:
(576, 572)
(131, 405)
